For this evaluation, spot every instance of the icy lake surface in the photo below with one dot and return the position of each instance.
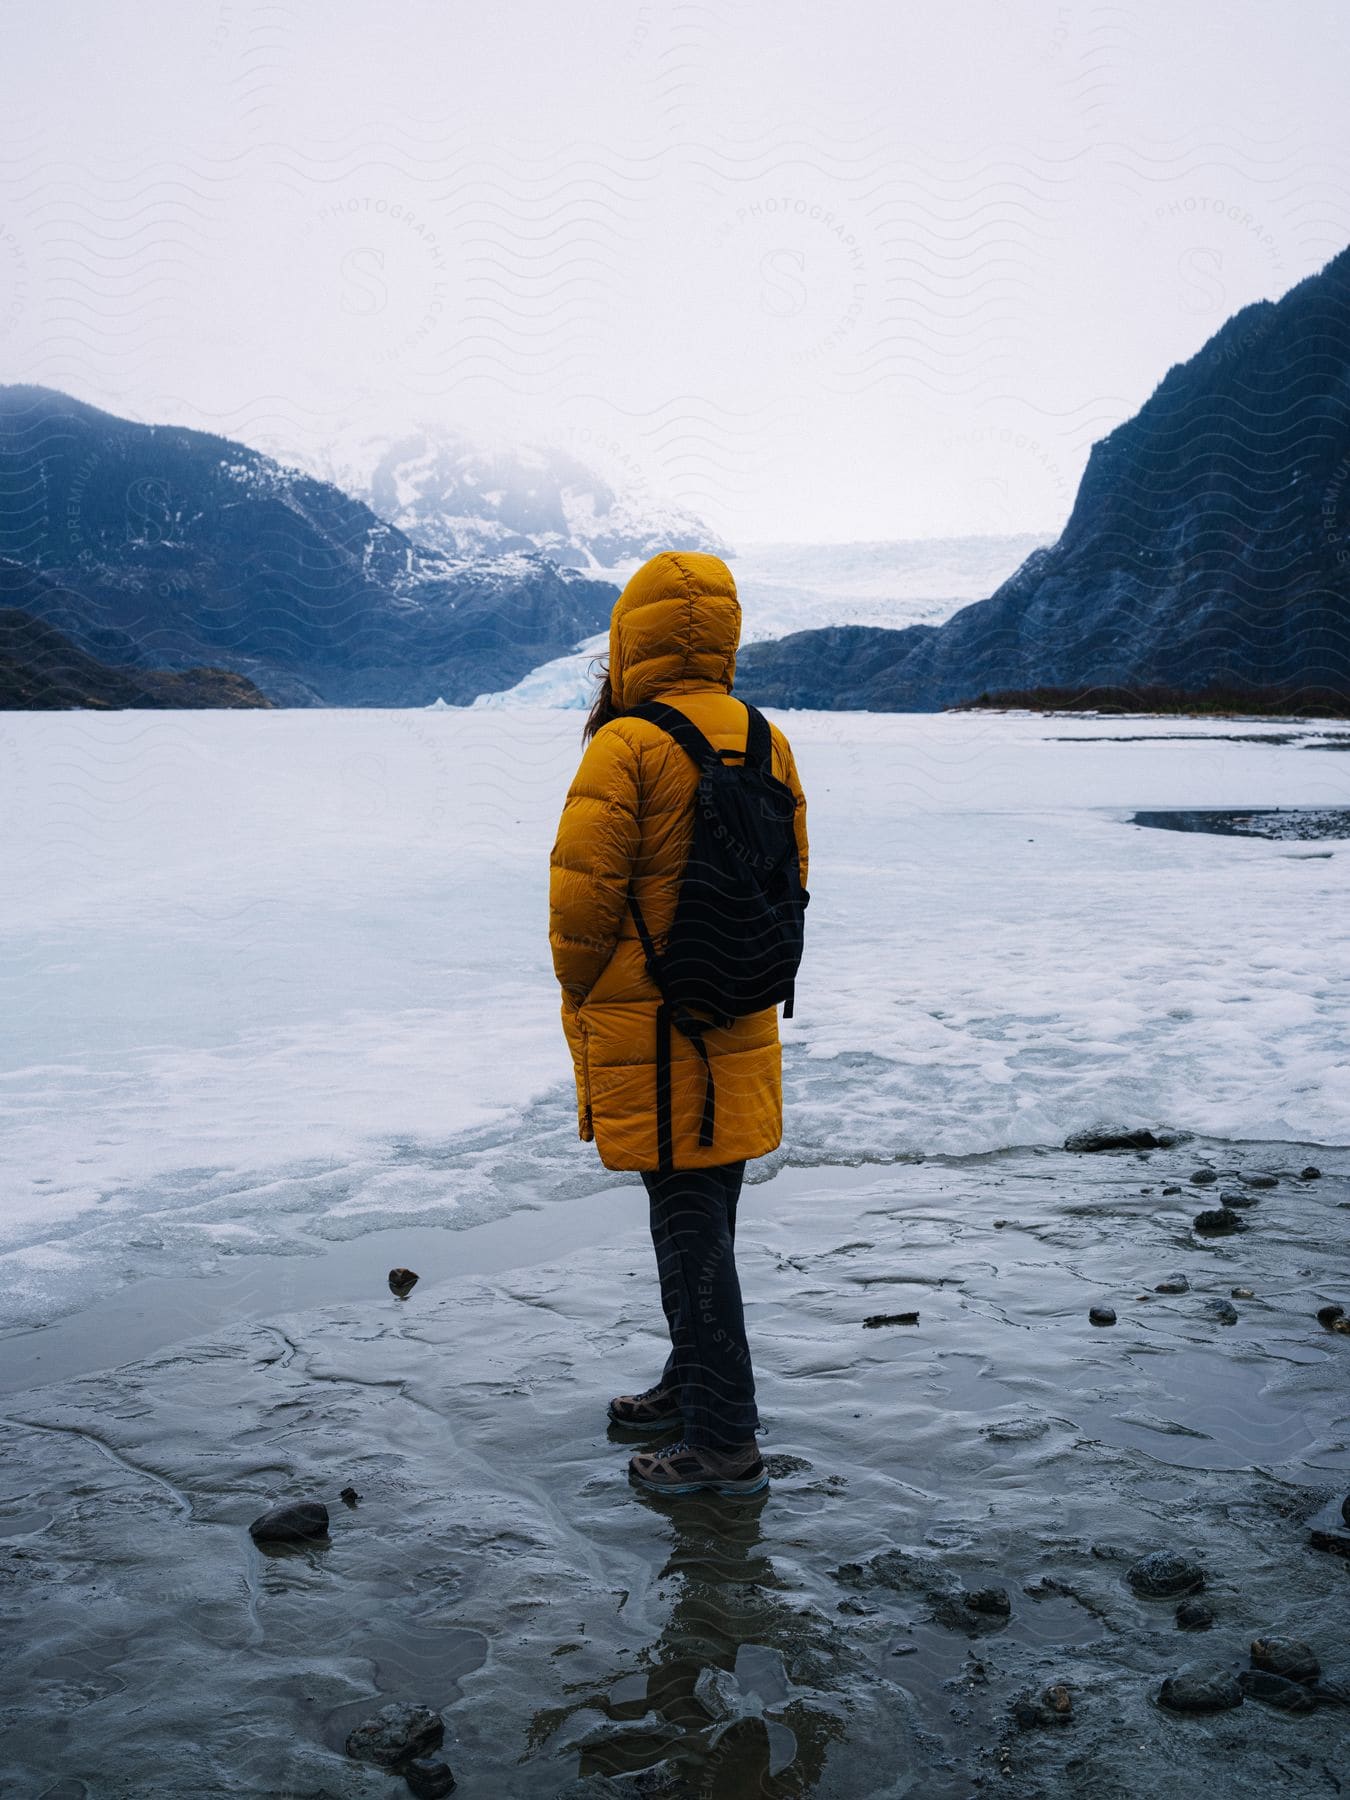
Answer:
(280, 1016)
(272, 981)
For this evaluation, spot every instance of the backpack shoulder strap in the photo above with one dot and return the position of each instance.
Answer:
(758, 740)
(684, 731)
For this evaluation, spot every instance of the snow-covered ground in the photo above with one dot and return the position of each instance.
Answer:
(799, 587)
(275, 977)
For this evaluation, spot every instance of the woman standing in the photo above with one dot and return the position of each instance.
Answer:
(624, 837)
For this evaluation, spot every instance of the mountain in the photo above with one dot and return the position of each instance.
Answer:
(170, 548)
(41, 669)
(1209, 544)
(453, 494)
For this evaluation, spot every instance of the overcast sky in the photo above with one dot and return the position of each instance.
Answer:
(820, 272)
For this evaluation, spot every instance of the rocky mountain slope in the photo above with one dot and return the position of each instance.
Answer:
(1209, 543)
(41, 669)
(171, 548)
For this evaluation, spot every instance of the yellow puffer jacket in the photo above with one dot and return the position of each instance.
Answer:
(629, 812)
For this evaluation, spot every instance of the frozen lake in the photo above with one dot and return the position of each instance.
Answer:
(273, 981)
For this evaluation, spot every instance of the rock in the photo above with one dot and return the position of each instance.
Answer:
(1194, 1615)
(1243, 1293)
(1102, 1315)
(1345, 1509)
(1333, 1541)
(1163, 1573)
(1229, 1197)
(1218, 1223)
(1115, 1138)
(993, 1601)
(1328, 1315)
(427, 1779)
(879, 1319)
(1276, 1690)
(1173, 1284)
(1223, 1312)
(1171, 1190)
(350, 1497)
(398, 1733)
(402, 1282)
(854, 1603)
(1197, 1689)
(1310, 1174)
(1259, 1179)
(295, 1522)
(1286, 1656)
(1052, 1706)
(1202, 1177)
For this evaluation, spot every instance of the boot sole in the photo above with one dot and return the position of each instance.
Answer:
(730, 1489)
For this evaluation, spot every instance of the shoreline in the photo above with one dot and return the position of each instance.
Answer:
(498, 1568)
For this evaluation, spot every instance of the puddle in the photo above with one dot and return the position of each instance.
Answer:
(1286, 823)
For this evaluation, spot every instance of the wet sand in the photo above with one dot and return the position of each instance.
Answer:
(498, 1566)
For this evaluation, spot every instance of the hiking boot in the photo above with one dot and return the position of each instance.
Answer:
(695, 1469)
(648, 1411)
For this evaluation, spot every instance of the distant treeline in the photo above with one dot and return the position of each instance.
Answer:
(1299, 702)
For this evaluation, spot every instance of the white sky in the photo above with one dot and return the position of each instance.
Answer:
(838, 272)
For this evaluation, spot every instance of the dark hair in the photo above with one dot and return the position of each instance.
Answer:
(603, 708)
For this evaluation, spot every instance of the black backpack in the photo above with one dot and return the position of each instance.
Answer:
(735, 940)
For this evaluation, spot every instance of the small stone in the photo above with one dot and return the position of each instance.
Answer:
(427, 1779)
(854, 1603)
(999, 1224)
(1276, 1690)
(1102, 1315)
(397, 1733)
(1202, 1177)
(1173, 1284)
(1230, 1197)
(1194, 1615)
(1171, 1190)
(402, 1282)
(1286, 1656)
(991, 1600)
(1310, 1174)
(1218, 1223)
(904, 1649)
(1345, 1509)
(297, 1521)
(1163, 1573)
(1259, 1179)
(1058, 1700)
(1328, 1315)
(1223, 1312)
(350, 1497)
(1052, 1706)
(1243, 1293)
(1196, 1689)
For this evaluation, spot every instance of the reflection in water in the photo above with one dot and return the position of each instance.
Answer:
(734, 1699)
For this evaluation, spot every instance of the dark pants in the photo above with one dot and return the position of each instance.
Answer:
(693, 1214)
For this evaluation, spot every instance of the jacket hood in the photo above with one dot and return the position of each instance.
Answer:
(674, 628)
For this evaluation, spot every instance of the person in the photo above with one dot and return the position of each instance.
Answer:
(628, 819)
